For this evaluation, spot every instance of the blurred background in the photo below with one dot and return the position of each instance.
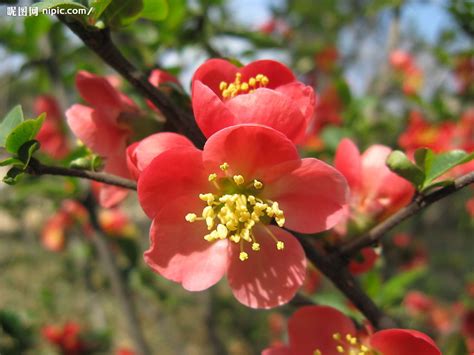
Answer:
(393, 72)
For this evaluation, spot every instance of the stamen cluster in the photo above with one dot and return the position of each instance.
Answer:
(236, 210)
(238, 87)
(348, 345)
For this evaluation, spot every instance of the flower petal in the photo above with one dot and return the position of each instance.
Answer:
(348, 162)
(269, 277)
(174, 173)
(313, 196)
(402, 342)
(312, 328)
(270, 108)
(140, 155)
(98, 92)
(277, 350)
(301, 95)
(277, 73)
(212, 73)
(92, 128)
(211, 113)
(254, 151)
(178, 250)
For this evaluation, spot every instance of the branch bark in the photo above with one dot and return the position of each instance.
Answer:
(36, 168)
(119, 287)
(419, 203)
(101, 43)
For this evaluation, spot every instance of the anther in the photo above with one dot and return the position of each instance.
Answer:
(222, 86)
(212, 177)
(280, 245)
(224, 166)
(191, 217)
(238, 179)
(243, 256)
(255, 247)
(257, 184)
(340, 349)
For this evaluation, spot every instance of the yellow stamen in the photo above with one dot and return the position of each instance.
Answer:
(280, 245)
(224, 166)
(230, 90)
(191, 217)
(255, 247)
(340, 349)
(243, 256)
(238, 179)
(212, 177)
(257, 184)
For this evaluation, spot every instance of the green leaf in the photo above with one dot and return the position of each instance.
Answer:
(24, 132)
(26, 151)
(13, 175)
(155, 10)
(399, 163)
(13, 162)
(99, 7)
(434, 165)
(395, 288)
(121, 13)
(11, 120)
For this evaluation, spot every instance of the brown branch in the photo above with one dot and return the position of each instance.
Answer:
(101, 43)
(36, 168)
(118, 284)
(336, 270)
(353, 246)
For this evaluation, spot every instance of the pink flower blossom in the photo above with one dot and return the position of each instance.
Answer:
(219, 212)
(263, 92)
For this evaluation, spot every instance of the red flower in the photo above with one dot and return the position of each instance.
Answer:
(418, 303)
(104, 128)
(246, 177)
(364, 262)
(376, 192)
(411, 74)
(264, 92)
(51, 135)
(116, 223)
(401, 60)
(140, 154)
(66, 338)
(326, 59)
(158, 78)
(322, 330)
(464, 71)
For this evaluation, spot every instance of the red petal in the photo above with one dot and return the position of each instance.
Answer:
(270, 108)
(254, 151)
(269, 277)
(312, 327)
(213, 72)
(98, 92)
(402, 342)
(277, 73)
(313, 197)
(277, 350)
(174, 173)
(348, 162)
(178, 250)
(92, 128)
(211, 113)
(301, 95)
(140, 155)
(158, 77)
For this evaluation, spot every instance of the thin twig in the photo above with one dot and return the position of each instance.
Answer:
(119, 287)
(36, 168)
(101, 43)
(335, 270)
(353, 246)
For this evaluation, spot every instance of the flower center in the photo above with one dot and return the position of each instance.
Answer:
(235, 210)
(230, 90)
(348, 345)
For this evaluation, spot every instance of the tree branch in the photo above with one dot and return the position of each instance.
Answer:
(119, 287)
(353, 246)
(36, 168)
(334, 268)
(101, 43)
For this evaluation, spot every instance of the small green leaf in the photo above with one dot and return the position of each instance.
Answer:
(436, 165)
(395, 288)
(26, 151)
(399, 163)
(13, 162)
(24, 132)
(11, 120)
(121, 13)
(99, 7)
(13, 175)
(155, 10)
(62, 4)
